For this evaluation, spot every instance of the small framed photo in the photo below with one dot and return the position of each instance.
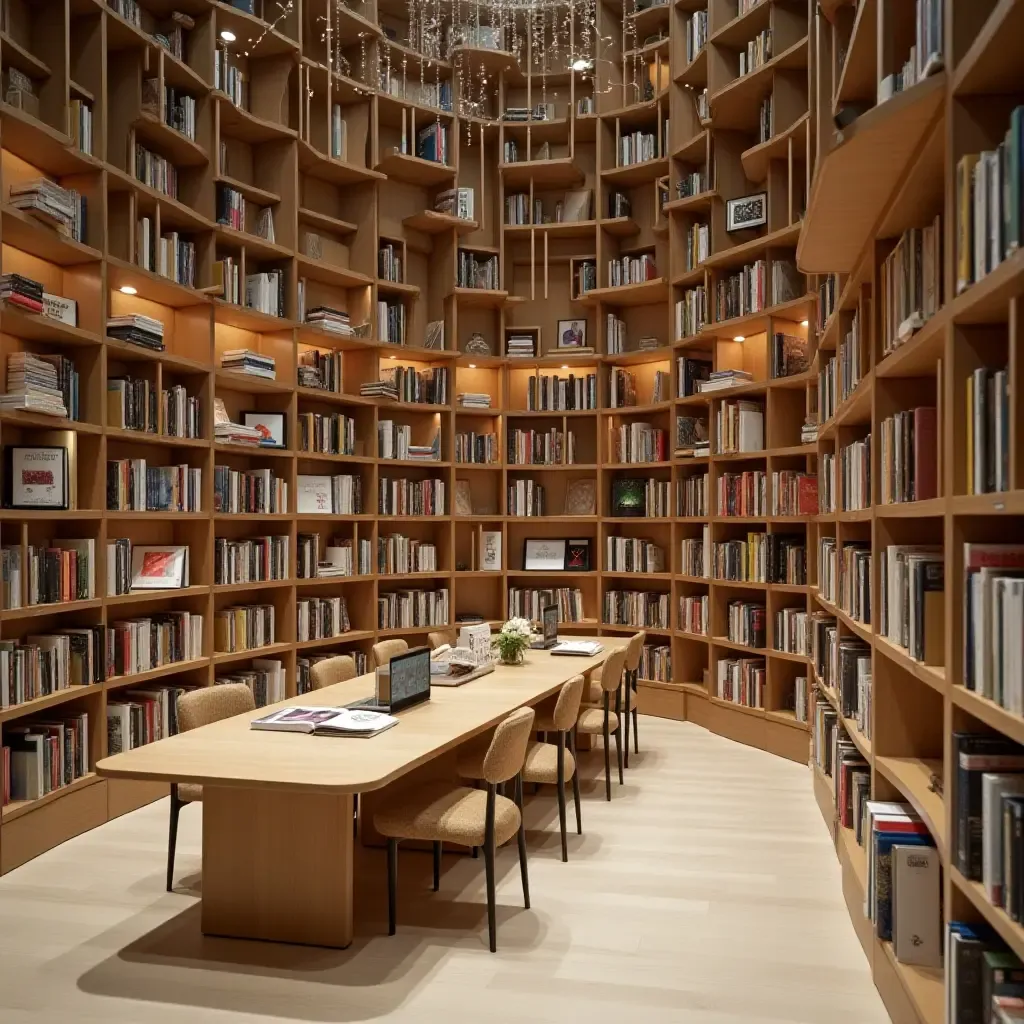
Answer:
(271, 426)
(572, 333)
(159, 566)
(577, 555)
(36, 476)
(746, 212)
(544, 554)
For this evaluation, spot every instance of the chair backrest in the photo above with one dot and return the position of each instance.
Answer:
(212, 704)
(507, 752)
(332, 670)
(441, 636)
(611, 670)
(384, 651)
(634, 650)
(567, 707)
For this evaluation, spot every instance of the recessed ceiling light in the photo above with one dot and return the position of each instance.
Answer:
(565, 367)
(804, 323)
(739, 337)
(127, 289)
(472, 366)
(392, 357)
(227, 35)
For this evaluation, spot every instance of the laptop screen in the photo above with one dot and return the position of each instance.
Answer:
(550, 621)
(410, 678)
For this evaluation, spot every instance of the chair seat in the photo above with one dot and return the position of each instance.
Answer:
(190, 792)
(542, 764)
(450, 814)
(591, 720)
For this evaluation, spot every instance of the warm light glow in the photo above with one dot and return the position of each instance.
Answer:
(227, 35)
(392, 357)
(472, 366)
(804, 323)
(565, 367)
(739, 337)
(581, 64)
(127, 289)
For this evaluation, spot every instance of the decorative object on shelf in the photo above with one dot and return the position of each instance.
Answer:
(648, 344)
(490, 550)
(36, 477)
(629, 498)
(572, 334)
(544, 554)
(577, 555)
(433, 337)
(271, 427)
(159, 566)
(463, 498)
(746, 212)
(581, 498)
(512, 641)
(477, 345)
(577, 205)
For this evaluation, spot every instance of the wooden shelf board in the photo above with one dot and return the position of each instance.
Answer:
(160, 672)
(245, 126)
(332, 169)
(330, 273)
(738, 105)
(24, 231)
(30, 707)
(561, 172)
(152, 286)
(642, 173)
(1012, 933)
(17, 808)
(177, 147)
(414, 170)
(931, 675)
(646, 293)
(41, 145)
(247, 319)
(738, 255)
(912, 777)
(924, 986)
(430, 222)
(856, 179)
(756, 159)
(858, 80)
(17, 56)
(990, 65)
(253, 193)
(694, 74)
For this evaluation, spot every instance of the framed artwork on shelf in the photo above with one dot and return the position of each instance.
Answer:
(271, 425)
(746, 212)
(572, 334)
(36, 477)
(463, 498)
(544, 554)
(581, 498)
(629, 498)
(577, 555)
(159, 566)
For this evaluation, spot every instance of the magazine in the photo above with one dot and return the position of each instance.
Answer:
(325, 721)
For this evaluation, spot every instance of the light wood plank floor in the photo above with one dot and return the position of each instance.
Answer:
(706, 893)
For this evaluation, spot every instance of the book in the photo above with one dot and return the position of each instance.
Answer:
(325, 721)
(916, 905)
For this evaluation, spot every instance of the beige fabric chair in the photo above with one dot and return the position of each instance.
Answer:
(546, 763)
(338, 669)
(196, 708)
(382, 653)
(603, 720)
(630, 696)
(438, 812)
(440, 637)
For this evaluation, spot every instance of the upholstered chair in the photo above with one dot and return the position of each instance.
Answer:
(338, 669)
(383, 652)
(603, 720)
(440, 637)
(438, 812)
(196, 708)
(634, 652)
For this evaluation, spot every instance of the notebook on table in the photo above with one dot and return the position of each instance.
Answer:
(325, 721)
(578, 648)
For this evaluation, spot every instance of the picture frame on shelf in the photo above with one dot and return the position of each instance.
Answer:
(581, 498)
(463, 498)
(746, 212)
(490, 550)
(37, 477)
(572, 334)
(577, 555)
(271, 425)
(159, 566)
(629, 498)
(544, 554)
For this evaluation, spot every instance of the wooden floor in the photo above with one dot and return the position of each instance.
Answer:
(707, 892)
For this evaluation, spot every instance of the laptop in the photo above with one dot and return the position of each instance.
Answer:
(405, 683)
(549, 621)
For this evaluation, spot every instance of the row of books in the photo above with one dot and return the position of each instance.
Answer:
(635, 443)
(339, 557)
(391, 321)
(321, 370)
(631, 270)
(760, 558)
(525, 498)
(695, 614)
(692, 495)
(139, 717)
(327, 433)
(403, 609)
(303, 665)
(640, 608)
(741, 681)
(551, 447)
(62, 209)
(44, 755)
(477, 449)
(908, 456)
(910, 284)
(474, 270)
(134, 486)
(401, 497)
(243, 628)
(633, 554)
(855, 475)
(556, 393)
(844, 576)
(791, 631)
(739, 427)
(152, 641)
(170, 255)
(656, 662)
(265, 677)
(742, 494)
(317, 618)
(746, 623)
(42, 383)
(250, 560)
(398, 554)
(249, 491)
(758, 51)
(695, 555)
(339, 495)
(529, 603)
(691, 312)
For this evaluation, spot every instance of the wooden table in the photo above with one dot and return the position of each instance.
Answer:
(277, 807)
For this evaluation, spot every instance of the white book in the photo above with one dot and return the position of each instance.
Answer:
(314, 496)
(916, 902)
(325, 721)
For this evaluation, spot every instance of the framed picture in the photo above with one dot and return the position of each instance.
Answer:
(271, 426)
(36, 476)
(746, 212)
(572, 333)
(490, 550)
(629, 498)
(159, 566)
(544, 554)
(463, 498)
(581, 498)
(577, 555)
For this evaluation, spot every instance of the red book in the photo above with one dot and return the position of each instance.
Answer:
(26, 303)
(807, 495)
(926, 457)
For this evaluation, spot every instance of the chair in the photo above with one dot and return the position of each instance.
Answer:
(201, 707)
(546, 763)
(593, 721)
(438, 812)
(383, 652)
(338, 669)
(440, 637)
(630, 697)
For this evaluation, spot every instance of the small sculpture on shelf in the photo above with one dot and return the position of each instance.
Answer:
(477, 345)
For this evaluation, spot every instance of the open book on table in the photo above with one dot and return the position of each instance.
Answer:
(325, 721)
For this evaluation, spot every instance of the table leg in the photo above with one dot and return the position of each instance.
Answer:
(277, 865)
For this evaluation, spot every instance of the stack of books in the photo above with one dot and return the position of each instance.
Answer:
(425, 452)
(138, 330)
(379, 389)
(519, 346)
(244, 360)
(719, 380)
(22, 292)
(458, 202)
(474, 400)
(61, 208)
(227, 432)
(39, 383)
(333, 321)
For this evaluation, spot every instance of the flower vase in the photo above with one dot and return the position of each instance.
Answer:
(512, 659)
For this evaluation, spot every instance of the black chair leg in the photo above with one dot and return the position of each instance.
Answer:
(489, 869)
(392, 884)
(522, 842)
(476, 852)
(576, 786)
(172, 838)
(626, 698)
(355, 816)
(636, 735)
(618, 750)
(607, 753)
(561, 794)
(437, 865)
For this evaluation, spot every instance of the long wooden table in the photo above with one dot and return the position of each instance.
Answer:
(277, 807)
